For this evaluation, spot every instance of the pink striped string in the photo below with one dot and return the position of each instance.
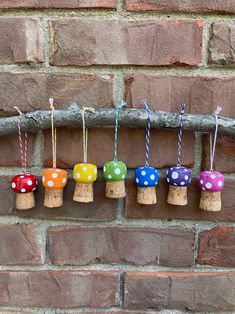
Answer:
(213, 138)
(23, 147)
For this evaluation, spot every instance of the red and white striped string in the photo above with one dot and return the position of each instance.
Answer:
(23, 143)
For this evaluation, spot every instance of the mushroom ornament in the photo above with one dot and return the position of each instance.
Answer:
(115, 171)
(23, 184)
(211, 182)
(84, 174)
(54, 179)
(146, 177)
(178, 177)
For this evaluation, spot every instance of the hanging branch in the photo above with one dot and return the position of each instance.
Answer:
(104, 117)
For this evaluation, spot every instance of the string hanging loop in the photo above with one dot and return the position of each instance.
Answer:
(53, 132)
(214, 138)
(145, 104)
(22, 138)
(85, 131)
(180, 133)
(117, 109)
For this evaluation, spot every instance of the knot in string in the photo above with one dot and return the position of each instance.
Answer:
(117, 109)
(180, 132)
(23, 148)
(145, 104)
(85, 131)
(53, 132)
(214, 138)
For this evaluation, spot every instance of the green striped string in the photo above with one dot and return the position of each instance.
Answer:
(117, 109)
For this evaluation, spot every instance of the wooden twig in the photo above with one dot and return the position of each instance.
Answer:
(105, 117)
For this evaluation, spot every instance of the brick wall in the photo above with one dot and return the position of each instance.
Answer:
(117, 256)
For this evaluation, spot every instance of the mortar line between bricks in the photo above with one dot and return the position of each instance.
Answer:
(118, 268)
(121, 69)
(37, 149)
(205, 43)
(198, 154)
(120, 13)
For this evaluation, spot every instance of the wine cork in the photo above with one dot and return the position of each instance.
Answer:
(53, 198)
(177, 195)
(146, 196)
(25, 201)
(210, 201)
(115, 189)
(83, 192)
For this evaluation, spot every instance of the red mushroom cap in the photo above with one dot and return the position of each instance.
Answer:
(23, 183)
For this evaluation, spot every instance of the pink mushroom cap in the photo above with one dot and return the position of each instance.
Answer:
(211, 181)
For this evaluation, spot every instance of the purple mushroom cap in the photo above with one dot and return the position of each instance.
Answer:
(179, 176)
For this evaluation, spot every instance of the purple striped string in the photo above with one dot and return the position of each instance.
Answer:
(182, 109)
(145, 103)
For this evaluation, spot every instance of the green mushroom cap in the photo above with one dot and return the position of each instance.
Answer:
(114, 170)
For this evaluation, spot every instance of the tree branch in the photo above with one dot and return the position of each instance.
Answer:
(41, 120)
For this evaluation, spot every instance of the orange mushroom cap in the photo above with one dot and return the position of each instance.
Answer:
(53, 179)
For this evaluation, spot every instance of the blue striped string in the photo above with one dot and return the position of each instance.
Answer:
(145, 103)
(182, 109)
(117, 109)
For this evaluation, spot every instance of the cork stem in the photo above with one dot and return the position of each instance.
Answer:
(53, 198)
(146, 196)
(210, 201)
(83, 192)
(25, 201)
(177, 195)
(115, 189)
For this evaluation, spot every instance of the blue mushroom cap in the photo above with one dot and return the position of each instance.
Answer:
(146, 177)
(179, 176)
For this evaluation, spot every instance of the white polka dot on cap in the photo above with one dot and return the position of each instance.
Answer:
(143, 173)
(13, 185)
(145, 182)
(54, 175)
(208, 185)
(152, 177)
(174, 175)
(50, 183)
(117, 171)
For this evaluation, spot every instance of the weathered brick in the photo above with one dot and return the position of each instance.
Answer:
(162, 210)
(201, 94)
(79, 245)
(57, 4)
(163, 147)
(19, 245)
(89, 42)
(32, 90)
(59, 289)
(101, 209)
(227, 6)
(10, 150)
(21, 40)
(222, 43)
(212, 291)
(224, 154)
(216, 247)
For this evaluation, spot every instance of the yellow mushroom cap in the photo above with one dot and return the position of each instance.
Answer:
(85, 173)
(53, 179)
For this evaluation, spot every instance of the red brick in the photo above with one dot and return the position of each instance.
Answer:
(80, 245)
(59, 289)
(57, 4)
(163, 147)
(102, 209)
(158, 42)
(216, 247)
(21, 40)
(201, 94)
(10, 150)
(19, 245)
(212, 291)
(221, 44)
(224, 153)
(227, 6)
(32, 90)
(162, 210)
